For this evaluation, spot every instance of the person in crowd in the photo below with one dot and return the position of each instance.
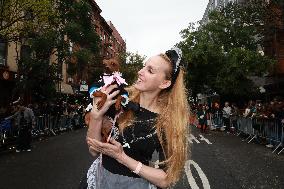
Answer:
(227, 112)
(247, 112)
(202, 118)
(209, 117)
(217, 116)
(158, 123)
(274, 130)
(253, 109)
(234, 117)
(281, 114)
(36, 109)
(25, 119)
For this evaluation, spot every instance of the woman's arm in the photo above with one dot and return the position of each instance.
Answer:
(97, 118)
(156, 176)
(94, 131)
(115, 150)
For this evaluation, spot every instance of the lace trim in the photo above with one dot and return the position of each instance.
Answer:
(93, 174)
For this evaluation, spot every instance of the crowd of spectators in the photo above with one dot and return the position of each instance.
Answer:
(226, 117)
(60, 106)
(270, 110)
(49, 117)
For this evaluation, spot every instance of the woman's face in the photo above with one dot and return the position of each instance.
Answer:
(152, 77)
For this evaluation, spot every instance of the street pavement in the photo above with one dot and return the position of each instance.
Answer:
(217, 161)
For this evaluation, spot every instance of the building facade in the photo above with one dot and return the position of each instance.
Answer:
(111, 41)
(8, 71)
(118, 45)
(111, 44)
(274, 47)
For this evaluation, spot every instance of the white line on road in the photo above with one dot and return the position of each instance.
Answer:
(191, 137)
(190, 178)
(204, 139)
(201, 174)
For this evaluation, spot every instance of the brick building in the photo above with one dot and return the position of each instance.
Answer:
(275, 48)
(118, 44)
(111, 44)
(8, 71)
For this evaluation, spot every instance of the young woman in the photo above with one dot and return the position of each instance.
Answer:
(159, 123)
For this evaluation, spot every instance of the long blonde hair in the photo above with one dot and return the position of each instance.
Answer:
(172, 124)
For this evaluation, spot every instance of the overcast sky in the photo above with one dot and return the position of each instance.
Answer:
(151, 26)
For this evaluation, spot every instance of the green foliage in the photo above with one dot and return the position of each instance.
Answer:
(38, 75)
(48, 27)
(224, 53)
(131, 63)
(18, 18)
(80, 30)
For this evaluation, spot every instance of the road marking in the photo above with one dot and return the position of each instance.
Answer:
(191, 137)
(204, 139)
(190, 177)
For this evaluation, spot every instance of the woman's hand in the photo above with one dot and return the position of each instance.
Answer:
(98, 114)
(113, 149)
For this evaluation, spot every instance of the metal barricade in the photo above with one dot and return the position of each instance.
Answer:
(261, 127)
(63, 122)
(40, 124)
(46, 125)
(245, 126)
(52, 124)
(5, 131)
(250, 130)
(280, 137)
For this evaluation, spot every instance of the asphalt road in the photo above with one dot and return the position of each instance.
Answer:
(218, 161)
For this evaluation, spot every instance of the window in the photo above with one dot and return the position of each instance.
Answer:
(3, 53)
(25, 52)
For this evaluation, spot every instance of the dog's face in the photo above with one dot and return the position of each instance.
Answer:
(111, 65)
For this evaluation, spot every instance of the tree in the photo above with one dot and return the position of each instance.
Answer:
(31, 25)
(49, 27)
(227, 51)
(18, 18)
(81, 32)
(37, 74)
(131, 63)
(70, 35)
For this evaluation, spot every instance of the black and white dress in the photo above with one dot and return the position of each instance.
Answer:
(139, 141)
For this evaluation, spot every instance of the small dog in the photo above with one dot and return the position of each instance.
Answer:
(111, 76)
